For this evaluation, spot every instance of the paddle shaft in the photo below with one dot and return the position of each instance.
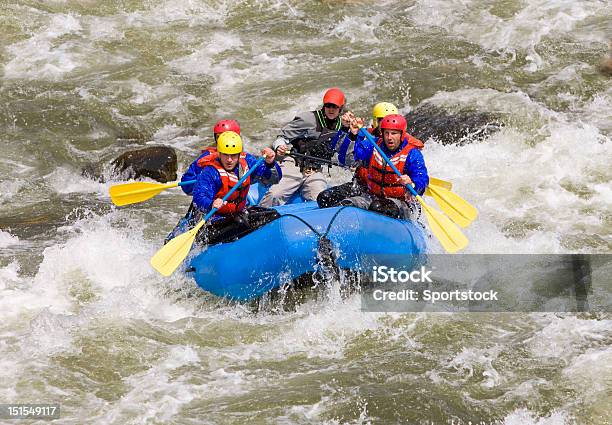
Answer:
(162, 187)
(386, 158)
(169, 186)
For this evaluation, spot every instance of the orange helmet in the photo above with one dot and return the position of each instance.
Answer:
(335, 96)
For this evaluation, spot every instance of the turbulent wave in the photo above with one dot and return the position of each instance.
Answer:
(86, 322)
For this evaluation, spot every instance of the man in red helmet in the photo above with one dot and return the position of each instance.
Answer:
(385, 192)
(344, 144)
(309, 133)
(194, 169)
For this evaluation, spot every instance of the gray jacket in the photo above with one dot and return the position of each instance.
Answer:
(308, 134)
(303, 126)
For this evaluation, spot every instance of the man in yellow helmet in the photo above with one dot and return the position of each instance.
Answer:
(221, 171)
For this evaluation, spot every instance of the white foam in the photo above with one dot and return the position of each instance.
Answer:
(565, 338)
(534, 21)
(49, 334)
(106, 260)
(17, 300)
(360, 29)
(168, 12)
(527, 417)
(43, 57)
(155, 394)
(37, 57)
(235, 67)
(9, 276)
(598, 111)
(201, 60)
(592, 371)
(171, 134)
(521, 174)
(6, 239)
(22, 167)
(65, 181)
(105, 28)
(469, 358)
(314, 330)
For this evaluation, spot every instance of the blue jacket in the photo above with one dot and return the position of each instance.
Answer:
(209, 182)
(192, 173)
(350, 151)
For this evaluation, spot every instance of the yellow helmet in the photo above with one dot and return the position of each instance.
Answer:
(381, 110)
(229, 143)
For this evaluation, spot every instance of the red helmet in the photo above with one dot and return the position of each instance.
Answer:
(335, 96)
(394, 122)
(226, 125)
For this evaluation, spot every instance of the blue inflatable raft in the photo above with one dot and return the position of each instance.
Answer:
(288, 247)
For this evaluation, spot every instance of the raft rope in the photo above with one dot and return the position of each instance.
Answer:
(315, 231)
(307, 224)
(326, 254)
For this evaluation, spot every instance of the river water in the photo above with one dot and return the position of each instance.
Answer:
(87, 323)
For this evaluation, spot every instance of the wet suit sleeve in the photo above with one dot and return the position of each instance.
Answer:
(417, 171)
(267, 174)
(206, 188)
(192, 174)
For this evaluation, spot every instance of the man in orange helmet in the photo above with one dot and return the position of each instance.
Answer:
(309, 133)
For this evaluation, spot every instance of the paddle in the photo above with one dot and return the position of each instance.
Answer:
(133, 193)
(449, 235)
(136, 192)
(453, 205)
(439, 182)
(171, 255)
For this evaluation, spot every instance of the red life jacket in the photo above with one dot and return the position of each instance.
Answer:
(361, 173)
(202, 162)
(237, 201)
(381, 179)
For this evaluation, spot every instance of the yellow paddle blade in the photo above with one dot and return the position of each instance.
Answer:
(441, 183)
(171, 255)
(453, 205)
(449, 235)
(133, 193)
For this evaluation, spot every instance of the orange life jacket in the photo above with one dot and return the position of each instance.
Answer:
(381, 179)
(237, 201)
(361, 173)
(210, 149)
